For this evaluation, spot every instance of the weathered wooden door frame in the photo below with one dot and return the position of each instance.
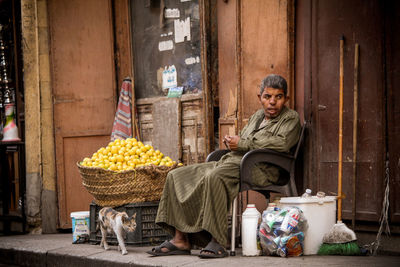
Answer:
(125, 60)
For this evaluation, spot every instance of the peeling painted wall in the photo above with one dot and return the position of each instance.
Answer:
(39, 141)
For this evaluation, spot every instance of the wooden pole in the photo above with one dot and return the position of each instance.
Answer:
(340, 162)
(355, 119)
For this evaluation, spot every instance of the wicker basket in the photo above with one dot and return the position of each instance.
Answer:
(111, 188)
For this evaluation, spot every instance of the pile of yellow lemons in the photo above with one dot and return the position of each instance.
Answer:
(127, 154)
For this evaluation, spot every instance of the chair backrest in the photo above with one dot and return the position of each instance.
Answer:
(300, 142)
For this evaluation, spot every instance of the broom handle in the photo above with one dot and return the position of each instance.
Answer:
(340, 163)
(355, 119)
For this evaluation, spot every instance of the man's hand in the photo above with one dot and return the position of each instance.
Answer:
(231, 141)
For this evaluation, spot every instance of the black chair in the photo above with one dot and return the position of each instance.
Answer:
(286, 162)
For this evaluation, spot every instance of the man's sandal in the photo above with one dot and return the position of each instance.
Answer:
(217, 251)
(172, 250)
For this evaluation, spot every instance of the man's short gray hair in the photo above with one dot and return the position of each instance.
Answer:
(273, 81)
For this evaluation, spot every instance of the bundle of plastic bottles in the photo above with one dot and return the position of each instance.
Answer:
(282, 231)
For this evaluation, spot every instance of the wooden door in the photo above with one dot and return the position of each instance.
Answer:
(255, 38)
(392, 40)
(82, 63)
(359, 22)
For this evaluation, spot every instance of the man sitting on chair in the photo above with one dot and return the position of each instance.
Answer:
(196, 198)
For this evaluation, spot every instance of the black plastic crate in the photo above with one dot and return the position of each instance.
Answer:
(146, 233)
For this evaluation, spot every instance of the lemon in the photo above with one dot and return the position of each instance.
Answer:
(112, 167)
(114, 149)
(120, 158)
(147, 147)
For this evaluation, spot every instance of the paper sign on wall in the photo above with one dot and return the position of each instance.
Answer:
(166, 45)
(171, 13)
(182, 30)
(166, 34)
(169, 77)
(192, 60)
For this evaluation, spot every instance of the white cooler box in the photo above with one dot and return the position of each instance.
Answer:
(320, 214)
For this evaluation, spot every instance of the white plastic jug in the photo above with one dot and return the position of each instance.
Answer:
(250, 218)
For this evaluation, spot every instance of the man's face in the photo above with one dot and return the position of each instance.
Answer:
(272, 100)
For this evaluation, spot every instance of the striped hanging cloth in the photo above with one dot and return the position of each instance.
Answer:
(122, 127)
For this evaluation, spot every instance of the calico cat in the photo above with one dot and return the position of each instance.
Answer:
(119, 222)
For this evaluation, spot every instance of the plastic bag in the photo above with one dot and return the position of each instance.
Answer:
(281, 231)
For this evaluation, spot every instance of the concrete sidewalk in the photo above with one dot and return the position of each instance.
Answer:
(58, 250)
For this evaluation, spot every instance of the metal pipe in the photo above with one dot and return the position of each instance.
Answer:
(233, 232)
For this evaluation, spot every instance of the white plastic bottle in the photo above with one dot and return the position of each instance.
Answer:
(307, 193)
(271, 206)
(250, 219)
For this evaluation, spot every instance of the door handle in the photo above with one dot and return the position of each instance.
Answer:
(321, 107)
